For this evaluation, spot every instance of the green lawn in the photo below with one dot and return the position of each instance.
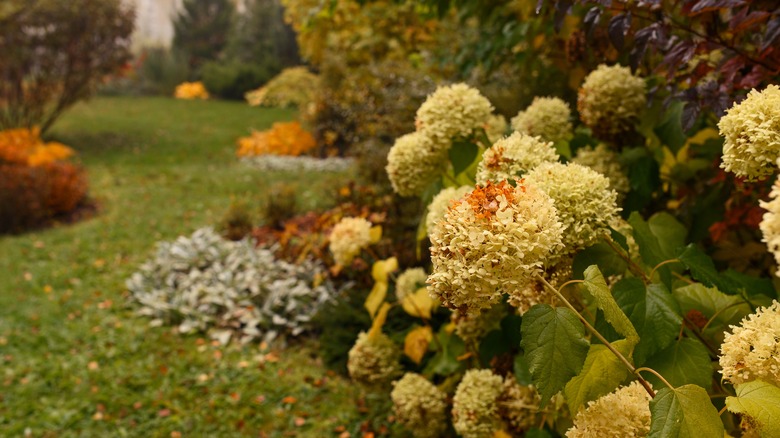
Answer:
(75, 360)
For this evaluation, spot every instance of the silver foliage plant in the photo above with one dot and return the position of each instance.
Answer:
(207, 283)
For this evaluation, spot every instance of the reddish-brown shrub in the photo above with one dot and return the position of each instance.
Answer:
(67, 187)
(23, 193)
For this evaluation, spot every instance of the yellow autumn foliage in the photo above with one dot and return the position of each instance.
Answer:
(25, 146)
(282, 139)
(191, 90)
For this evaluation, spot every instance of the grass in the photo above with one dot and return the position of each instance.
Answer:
(77, 362)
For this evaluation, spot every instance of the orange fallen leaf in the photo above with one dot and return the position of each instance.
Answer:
(164, 413)
(289, 400)
(300, 421)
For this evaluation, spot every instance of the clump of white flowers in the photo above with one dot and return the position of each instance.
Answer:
(453, 111)
(546, 117)
(535, 291)
(441, 202)
(752, 350)
(496, 127)
(610, 100)
(585, 202)
(606, 162)
(348, 238)
(514, 156)
(205, 282)
(519, 405)
(409, 281)
(374, 360)
(414, 162)
(473, 327)
(490, 241)
(475, 409)
(752, 132)
(622, 413)
(420, 406)
(770, 224)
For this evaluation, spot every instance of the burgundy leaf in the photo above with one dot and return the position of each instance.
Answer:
(742, 22)
(772, 33)
(618, 28)
(591, 19)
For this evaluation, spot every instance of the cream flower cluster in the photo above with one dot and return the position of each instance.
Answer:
(420, 406)
(514, 156)
(414, 162)
(472, 328)
(453, 111)
(586, 205)
(770, 224)
(752, 132)
(534, 291)
(752, 350)
(519, 405)
(491, 241)
(606, 162)
(373, 361)
(474, 407)
(611, 99)
(348, 238)
(441, 202)
(496, 127)
(622, 413)
(409, 281)
(547, 117)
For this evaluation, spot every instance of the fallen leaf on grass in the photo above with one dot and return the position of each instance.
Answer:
(300, 421)
(289, 400)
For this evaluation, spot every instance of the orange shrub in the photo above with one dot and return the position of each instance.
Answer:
(191, 90)
(282, 139)
(67, 187)
(25, 146)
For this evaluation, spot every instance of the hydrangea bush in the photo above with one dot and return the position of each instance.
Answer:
(230, 289)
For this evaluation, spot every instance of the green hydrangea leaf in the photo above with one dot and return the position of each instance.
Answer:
(554, 343)
(684, 362)
(462, 155)
(760, 401)
(595, 284)
(684, 412)
(601, 374)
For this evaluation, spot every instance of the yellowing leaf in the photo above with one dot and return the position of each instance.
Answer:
(376, 297)
(416, 343)
(382, 269)
(418, 304)
(376, 233)
(702, 136)
(379, 321)
(501, 434)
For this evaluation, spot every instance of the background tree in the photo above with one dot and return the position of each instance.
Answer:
(201, 31)
(53, 54)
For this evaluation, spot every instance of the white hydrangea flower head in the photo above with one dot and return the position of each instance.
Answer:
(409, 281)
(348, 238)
(420, 406)
(374, 361)
(519, 405)
(534, 291)
(441, 202)
(496, 127)
(610, 100)
(489, 242)
(414, 162)
(514, 156)
(474, 407)
(472, 328)
(586, 204)
(622, 413)
(453, 111)
(770, 224)
(752, 132)
(752, 350)
(606, 162)
(546, 117)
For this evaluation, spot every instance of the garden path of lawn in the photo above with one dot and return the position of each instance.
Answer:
(75, 360)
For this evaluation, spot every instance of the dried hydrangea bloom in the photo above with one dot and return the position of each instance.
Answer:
(348, 238)
(414, 162)
(474, 407)
(409, 281)
(752, 132)
(752, 350)
(606, 162)
(472, 328)
(489, 242)
(441, 202)
(420, 406)
(534, 291)
(622, 413)
(518, 406)
(546, 117)
(453, 111)
(496, 127)
(770, 224)
(514, 156)
(586, 204)
(626, 230)
(610, 100)
(373, 361)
